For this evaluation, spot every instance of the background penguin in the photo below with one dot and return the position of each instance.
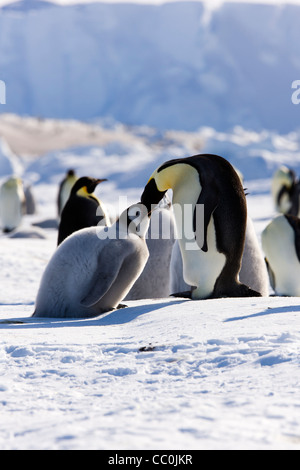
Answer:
(94, 268)
(82, 209)
(30, 205)
(253, 272)
(65, 190)
(212, 250)
(281, 245)
(285, 189)
(154, 282)
(12, 203)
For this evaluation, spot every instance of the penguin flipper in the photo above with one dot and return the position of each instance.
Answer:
(271, 275)
(210, 201)
(295, 224)
(109, 264)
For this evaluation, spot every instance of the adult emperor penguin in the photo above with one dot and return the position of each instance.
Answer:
(211, 241)
(285, 189)
(12, 203)
(154, 282)
(94, 268)
(64, 190)
(253, 271)
(281, 245)
(82, 209)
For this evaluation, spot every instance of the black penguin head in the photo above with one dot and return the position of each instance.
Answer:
(86, 185)
(70, 173)
(151, 195)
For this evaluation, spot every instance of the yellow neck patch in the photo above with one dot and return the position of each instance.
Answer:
(180, 174)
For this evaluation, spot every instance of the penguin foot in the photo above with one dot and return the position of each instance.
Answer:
(247, 292)
(241, 290)
(186, 295)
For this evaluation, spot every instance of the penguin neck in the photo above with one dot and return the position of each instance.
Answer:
(82, 192)
(186, 190)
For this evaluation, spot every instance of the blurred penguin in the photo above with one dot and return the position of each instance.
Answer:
(12, 203)
(253, 271)
(285, 191)
(82, 209)
(154, 281)
(30, 206)
(65, 190)
(281, 245)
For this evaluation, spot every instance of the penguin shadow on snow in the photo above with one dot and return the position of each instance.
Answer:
(113, 317)
(269, 311)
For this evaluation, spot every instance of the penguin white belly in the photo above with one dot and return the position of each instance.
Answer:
(11, 210)
(200, 269)
(278, 242)
(65, 193)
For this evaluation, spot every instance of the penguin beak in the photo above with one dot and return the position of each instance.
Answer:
(94, 184)
(151, 195)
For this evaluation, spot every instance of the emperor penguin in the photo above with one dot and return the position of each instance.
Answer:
(65, 189)
(30, 204)
(281, 246)
(92, 270)
(12, 203)
(82, 209)
(210, 213)
(253, 271)
(154, 282)
(285, 190)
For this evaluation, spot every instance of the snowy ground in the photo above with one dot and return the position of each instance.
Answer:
(160, 374)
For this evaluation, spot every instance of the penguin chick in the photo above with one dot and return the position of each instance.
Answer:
(94, 268)
(281, 245)
(82, 209)
(210, 214)
(12, 203)
(65, 190)
(154, 282)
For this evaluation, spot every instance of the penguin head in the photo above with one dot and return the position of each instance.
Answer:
(71, 177)
(135, 220)
(151, 195)
(85, 186)
(168, 176)
(165, 177)
(284, 176)
(13, 183)
(70, 173)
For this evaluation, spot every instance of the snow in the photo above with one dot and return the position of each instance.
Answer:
(159, 374)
